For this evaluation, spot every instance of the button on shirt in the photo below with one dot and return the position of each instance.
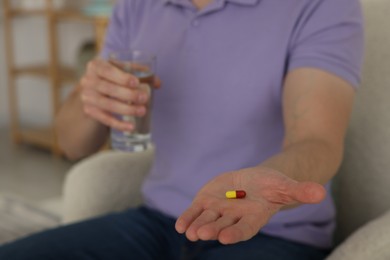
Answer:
(222, 69)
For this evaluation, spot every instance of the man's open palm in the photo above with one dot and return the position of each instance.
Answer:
(214, 217)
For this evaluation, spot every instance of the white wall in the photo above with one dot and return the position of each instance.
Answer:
(31, 47)
(3, 93)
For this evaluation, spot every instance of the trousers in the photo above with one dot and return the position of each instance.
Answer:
(145, 234)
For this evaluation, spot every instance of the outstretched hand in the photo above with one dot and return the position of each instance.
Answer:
(214, 217)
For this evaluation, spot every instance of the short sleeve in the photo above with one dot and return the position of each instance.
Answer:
(329, 36)
(118, 31)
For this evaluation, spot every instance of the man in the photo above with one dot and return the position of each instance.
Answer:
(256, 96)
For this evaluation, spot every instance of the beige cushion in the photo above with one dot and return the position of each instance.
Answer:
(362, 191)
(106, 182)
(372, 241)
(362, 188)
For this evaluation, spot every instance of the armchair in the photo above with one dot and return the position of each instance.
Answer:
(110, 181)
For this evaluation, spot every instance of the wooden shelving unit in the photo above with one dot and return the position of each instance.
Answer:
(66, 74)
(54, 72)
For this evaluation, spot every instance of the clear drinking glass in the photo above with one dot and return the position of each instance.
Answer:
(142, 65)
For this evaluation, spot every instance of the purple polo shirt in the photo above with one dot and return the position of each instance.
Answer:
(222, 69)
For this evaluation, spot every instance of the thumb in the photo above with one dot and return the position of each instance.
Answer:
(157, 83)
(307, 192)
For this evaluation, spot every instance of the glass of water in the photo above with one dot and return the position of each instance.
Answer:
(141, 65)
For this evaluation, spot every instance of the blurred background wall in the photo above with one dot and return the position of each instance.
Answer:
(3, 92)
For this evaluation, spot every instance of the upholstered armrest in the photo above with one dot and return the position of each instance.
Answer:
(371, 241)
(106, 182)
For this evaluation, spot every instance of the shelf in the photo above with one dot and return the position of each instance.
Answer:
(66, 74)
(78, 15)
(42, 137)
(53, 71)
(66, 14)
(22, 12)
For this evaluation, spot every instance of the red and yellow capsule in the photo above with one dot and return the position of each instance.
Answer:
(235, 194)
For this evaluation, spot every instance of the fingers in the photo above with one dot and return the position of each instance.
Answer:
(139, 96)
(206, 217)
(211, 231)
(106, 104)
(244, 229)
(107, 119)
(227, 228)
(111, 81)
(109, 72)
(106, 90)
(157, 83)
(185, 220)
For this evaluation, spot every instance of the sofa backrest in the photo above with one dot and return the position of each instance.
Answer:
(362, 188)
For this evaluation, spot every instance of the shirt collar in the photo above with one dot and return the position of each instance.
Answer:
(241, 2)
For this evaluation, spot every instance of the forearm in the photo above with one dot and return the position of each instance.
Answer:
(78, 134)
(310, 160)
(316, 108)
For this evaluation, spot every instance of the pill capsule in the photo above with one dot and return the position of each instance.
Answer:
(235, 194)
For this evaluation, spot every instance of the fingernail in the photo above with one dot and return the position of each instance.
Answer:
(133, 83)
(180, 228)
(142, 98)
(141, 111)
(129, 127)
